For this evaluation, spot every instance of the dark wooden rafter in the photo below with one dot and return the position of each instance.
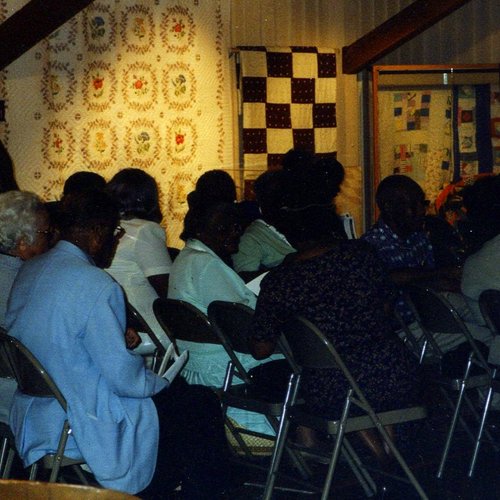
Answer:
(32, 23)
(397, 30)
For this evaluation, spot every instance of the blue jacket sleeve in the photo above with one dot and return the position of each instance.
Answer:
(124, 372)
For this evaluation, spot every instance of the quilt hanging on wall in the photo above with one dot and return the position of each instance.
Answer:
(440, 136)
(288, 100)
(123, 83)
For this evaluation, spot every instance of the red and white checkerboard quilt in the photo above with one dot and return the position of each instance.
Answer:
(288, 97)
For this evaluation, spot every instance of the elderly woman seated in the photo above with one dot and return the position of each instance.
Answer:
(141, 264)
(340, 286)
(201, 274)
(24, 230)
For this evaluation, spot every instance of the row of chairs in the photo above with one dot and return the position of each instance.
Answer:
(436, 315)
(304, 346)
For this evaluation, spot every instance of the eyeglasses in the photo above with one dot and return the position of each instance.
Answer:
(118, 232)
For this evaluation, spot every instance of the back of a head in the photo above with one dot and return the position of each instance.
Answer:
(268, 189)
(136, 194)
(297, 159)
(308, 213)
(482, 202)
(214, 186)
(197, 219)
(83, 181)
(87, 211)
(334, 173)
(395, 190)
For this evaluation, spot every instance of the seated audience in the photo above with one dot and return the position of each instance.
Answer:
(130, 426)
(407, 255)
(200, 275)
(482, 269)
(141, 263)
(262, 246)
(24, 230)
(340, 286)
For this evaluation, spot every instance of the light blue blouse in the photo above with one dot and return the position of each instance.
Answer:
(199, 276)
(71, 316)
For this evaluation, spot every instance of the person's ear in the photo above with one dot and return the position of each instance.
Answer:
(94, 242)
(21, 249)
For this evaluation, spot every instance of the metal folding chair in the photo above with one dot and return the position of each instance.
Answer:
(231, 322)
(436, 315)
(182, 321)
(489, 304)
(137, 321)
(33, 380)
(7, 447)
(311, 349)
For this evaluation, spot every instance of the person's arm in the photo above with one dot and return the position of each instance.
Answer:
(123, 371)
(267, 320)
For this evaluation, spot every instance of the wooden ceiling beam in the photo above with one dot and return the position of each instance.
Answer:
(391, 34)
(32, 23)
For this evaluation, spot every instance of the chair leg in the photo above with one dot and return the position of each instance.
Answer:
(454, 420)
(281, 436)
(461, 421)
(336, 450)
(78, 471)
(401, 461)
(3, 453)
(8, 464)
(56, 464)
(480, 432)
(363, 476)
(478, 418)
(33, 472)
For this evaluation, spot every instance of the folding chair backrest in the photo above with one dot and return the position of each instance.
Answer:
(135, 320)
(183, 321)
(489, 303)
(309, 347)
(437, 315)
(31, 377)
(231, 322)
(434, 312)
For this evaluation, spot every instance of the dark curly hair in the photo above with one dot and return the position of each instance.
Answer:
(136, 194)
(214, 186)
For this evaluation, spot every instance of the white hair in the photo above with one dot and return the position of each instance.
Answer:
(19, 212)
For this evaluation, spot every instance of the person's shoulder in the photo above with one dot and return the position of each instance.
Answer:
(376, 232)
(142, 227)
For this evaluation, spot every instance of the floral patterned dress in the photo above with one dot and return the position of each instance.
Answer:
(343, 292)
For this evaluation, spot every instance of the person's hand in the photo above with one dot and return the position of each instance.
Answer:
(132, 338)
